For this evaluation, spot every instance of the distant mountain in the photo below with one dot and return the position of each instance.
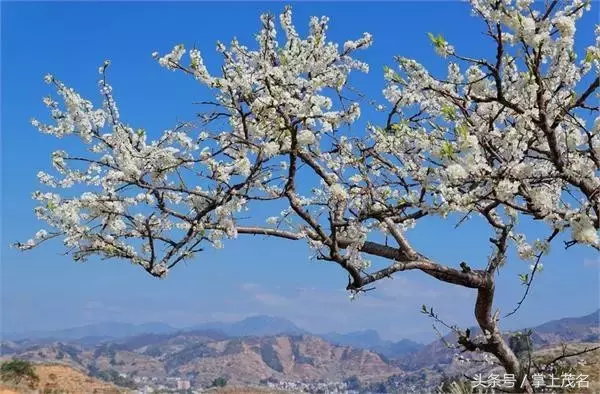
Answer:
(581, 329)
(260, 325)
(366, 338)
(202, 356)
(410, 353)
(370, 339)
(94, 333)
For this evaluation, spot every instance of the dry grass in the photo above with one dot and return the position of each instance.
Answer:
(591, 361)
(60, 378)
(7, 390)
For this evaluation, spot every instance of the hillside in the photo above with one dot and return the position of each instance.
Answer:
(202, 357)
(261, 325)
(62, 378)
(569, 329)
(370, 339)
(586, 364)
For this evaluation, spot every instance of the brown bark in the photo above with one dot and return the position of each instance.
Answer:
(495, 342)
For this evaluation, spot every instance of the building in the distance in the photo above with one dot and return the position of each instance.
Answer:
(183, 385)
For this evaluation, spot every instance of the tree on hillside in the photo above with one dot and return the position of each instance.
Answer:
(503, 140)
(17, 371)
(219, 382)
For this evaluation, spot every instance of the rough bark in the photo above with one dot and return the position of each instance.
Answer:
(495, 342)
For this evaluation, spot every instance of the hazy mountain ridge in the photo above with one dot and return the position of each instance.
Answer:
(98, 331)
(582, 329)
(370, 339)
(261, 325)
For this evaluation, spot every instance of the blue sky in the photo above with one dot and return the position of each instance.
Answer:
(43, 289)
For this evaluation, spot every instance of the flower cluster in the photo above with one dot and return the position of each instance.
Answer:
(512, 132)
(503, 138)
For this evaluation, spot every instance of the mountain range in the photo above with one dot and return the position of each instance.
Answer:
(254, 326)
(98, 332)
(262, 348)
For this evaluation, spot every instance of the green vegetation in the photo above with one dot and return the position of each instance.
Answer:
(269, 356)
(19, 371)
(352, 383)
(234, 346)
(520, 343)
(219, 382)
(114, 377)
(188, 354)
(153, 352)
(455, 385)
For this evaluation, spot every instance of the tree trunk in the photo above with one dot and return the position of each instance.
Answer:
(495, 342)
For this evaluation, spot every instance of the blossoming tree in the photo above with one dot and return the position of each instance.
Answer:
(501, 139)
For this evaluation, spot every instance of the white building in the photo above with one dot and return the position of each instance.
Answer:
(183, 385)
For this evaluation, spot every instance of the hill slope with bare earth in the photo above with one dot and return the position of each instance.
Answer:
(202, 358)
(62, 378)
(283, 357)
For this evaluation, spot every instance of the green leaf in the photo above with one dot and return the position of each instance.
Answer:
(524, 278)
(573, 99)
(398, 127)
(447, 150)
(590, 56)
(462, 130)
(392, 75)
(424, 308)
(438, 41)
(448, 112)
(379, 129)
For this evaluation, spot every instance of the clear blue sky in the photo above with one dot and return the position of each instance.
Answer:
(43, 289)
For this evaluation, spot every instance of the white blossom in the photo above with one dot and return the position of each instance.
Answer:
(305, 137)
(338, 192)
